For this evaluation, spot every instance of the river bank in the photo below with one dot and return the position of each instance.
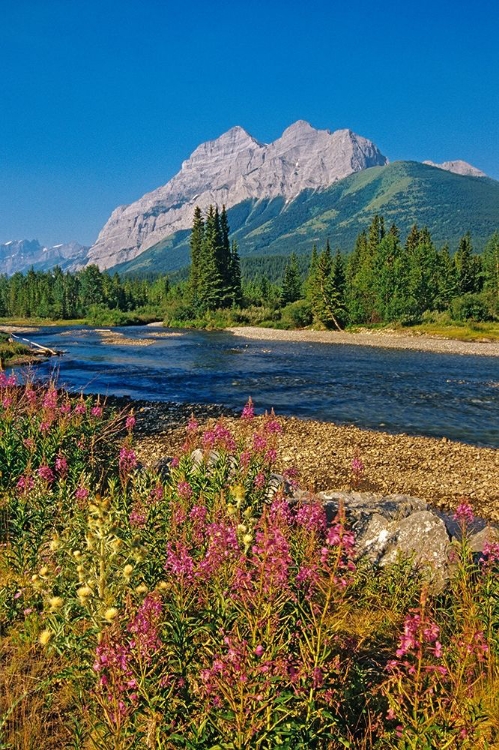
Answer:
(386, 338)
(439, 471)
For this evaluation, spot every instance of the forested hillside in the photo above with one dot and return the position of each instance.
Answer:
(405, 193)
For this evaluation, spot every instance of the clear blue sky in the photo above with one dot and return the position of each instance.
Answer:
(102, 100)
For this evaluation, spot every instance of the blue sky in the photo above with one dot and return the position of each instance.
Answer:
(101, 101)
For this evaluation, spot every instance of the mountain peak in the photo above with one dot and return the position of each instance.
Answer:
(230, 169)
(458, 166)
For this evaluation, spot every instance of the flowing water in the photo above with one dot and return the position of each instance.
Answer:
(394, 390)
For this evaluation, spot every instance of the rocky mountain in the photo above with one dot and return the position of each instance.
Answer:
(21, 255)
(403, 192)
(458, 167)
(230, 170)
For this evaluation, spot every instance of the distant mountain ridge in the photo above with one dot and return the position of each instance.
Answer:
(21, 255)
(458, 167)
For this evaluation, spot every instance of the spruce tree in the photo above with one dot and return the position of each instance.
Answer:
(196, 244)
(291, 282)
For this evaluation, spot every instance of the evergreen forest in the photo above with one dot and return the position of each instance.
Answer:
(385, 279)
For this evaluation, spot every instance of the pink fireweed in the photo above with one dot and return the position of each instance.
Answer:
(81, 493)
(50, 399)
(219, 437)
(46, 473)
(312, 517)
(80, 408)
(259, 442)
(25, 483)
(259, 481)
(464, 513)
(127, 460)
(490, 554)
(61, 465)
(130, 422)
(137, 518)
(179, 561)
(7, 381)
(272, 426)
(184, 490)
(96, 411)
(248, 411)
(192, 424)
(65, 408)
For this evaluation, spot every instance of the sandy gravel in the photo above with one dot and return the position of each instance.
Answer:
(441, 472)
(388, 339)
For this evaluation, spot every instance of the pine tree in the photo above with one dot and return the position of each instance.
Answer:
(196, 243)
(236, 294)
(468, 268)
(291, 283)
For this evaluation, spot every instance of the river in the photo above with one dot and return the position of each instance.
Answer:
(394, 390)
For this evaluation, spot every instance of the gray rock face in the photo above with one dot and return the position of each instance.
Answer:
(229, 170)
(21, 255)
(458, 167)
(394, 526)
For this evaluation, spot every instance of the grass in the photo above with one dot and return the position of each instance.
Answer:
(457, 331)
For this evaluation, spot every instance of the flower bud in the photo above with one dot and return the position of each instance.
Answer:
(56, 603)
(45, 637)
(43, 571)
(127, 570)
(247, 539)
(141, 589)
(54, 544)
(84, 592)
(110, 614)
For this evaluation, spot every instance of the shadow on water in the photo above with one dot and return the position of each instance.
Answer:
(395, 390)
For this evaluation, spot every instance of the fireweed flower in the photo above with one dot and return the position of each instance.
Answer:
(81, 493)
(259, 481)
(259, 442)
(96, 411)
(137, 518)
(184, 490)
(50, 399)
(464, 513)
(130, 422)
(25, 483)
(80, 408)
(312, 517)
(248, 411)
(490, 554)
(128, 460)
(46, 473)
(6, 382)
(272, 426)
(61, 465)
(192, 424)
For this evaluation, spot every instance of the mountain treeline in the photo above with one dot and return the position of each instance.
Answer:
(385, 279)
(89, 293)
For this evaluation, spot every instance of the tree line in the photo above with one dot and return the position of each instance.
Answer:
(384, 279)
(59, 295)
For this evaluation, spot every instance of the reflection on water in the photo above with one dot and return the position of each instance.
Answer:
(397, 390)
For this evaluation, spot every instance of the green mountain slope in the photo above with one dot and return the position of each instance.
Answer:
(403, 192)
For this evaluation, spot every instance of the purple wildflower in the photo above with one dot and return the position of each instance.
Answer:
(248, 411)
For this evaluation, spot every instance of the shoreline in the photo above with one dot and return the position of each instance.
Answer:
(385, 339)
(440, 471)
